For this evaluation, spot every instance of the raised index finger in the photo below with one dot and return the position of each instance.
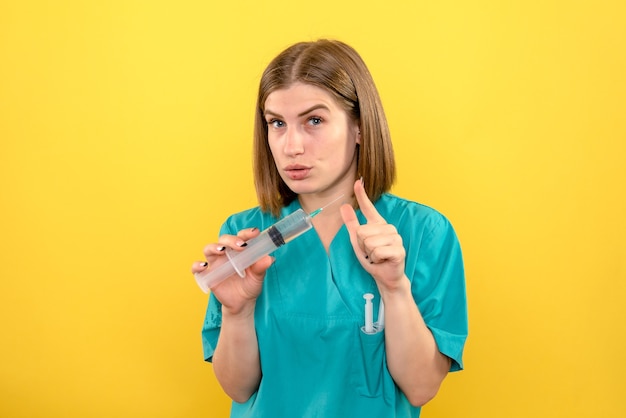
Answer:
(366, 205)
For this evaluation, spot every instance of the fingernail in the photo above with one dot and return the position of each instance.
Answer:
(220, 248)
(204, 264)
(253, 229)
(367, 256)
(241, 244)
(361, 179)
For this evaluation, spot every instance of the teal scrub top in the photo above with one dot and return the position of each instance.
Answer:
(315, 359)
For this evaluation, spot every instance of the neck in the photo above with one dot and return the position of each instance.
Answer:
(332, 199)
(327, 223)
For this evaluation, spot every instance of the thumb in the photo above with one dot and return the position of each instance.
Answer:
(259, 267)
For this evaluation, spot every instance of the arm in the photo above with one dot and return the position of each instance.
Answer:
(413, 359)
(236, 358)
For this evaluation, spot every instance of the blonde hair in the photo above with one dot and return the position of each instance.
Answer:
(338, 69)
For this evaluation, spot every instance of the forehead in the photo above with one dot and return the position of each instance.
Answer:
(299, 96)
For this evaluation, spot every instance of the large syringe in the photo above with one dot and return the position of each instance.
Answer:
(267, 241)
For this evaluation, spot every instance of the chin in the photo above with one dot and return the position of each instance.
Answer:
(302, 190)
(300, 187)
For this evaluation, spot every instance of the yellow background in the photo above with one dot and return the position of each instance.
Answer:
(125, 133)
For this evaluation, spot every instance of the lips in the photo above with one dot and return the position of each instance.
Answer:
(297, 171)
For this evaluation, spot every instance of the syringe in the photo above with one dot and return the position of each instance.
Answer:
(267, 241)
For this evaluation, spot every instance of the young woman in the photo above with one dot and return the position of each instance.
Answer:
(288, 339)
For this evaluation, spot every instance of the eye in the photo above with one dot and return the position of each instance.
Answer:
(276, 123)
(315, 121)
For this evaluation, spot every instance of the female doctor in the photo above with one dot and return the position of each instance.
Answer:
(288, 339)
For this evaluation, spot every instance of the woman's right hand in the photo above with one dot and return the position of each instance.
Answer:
(235, 293)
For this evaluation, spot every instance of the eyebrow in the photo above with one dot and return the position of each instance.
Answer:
(309, 110)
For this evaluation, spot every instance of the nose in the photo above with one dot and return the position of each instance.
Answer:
(294, 142)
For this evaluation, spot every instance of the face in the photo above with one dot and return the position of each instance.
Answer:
(313, 140)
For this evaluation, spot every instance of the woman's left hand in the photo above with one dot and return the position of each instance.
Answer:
(377, 244)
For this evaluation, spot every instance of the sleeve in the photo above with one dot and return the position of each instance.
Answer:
(213, 318)
(438, 286)
(211, 327)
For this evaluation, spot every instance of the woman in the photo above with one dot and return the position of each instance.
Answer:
(287, 340)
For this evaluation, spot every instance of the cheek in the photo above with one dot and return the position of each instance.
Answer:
(272, 146)
(342, 154)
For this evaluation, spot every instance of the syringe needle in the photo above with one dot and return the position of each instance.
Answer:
(315, 212)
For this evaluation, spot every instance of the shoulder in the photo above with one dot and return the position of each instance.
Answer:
(400, 211)
(253, 217)
(415, 221)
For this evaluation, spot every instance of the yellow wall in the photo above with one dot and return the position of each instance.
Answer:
(125, 126)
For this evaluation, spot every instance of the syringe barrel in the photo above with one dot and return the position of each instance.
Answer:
(267, 241)
(292, 226)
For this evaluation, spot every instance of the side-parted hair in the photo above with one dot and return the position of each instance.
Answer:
(338, 69)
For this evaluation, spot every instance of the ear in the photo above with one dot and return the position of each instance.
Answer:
(358, 135)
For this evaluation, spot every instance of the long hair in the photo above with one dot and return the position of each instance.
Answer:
(338, 69)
